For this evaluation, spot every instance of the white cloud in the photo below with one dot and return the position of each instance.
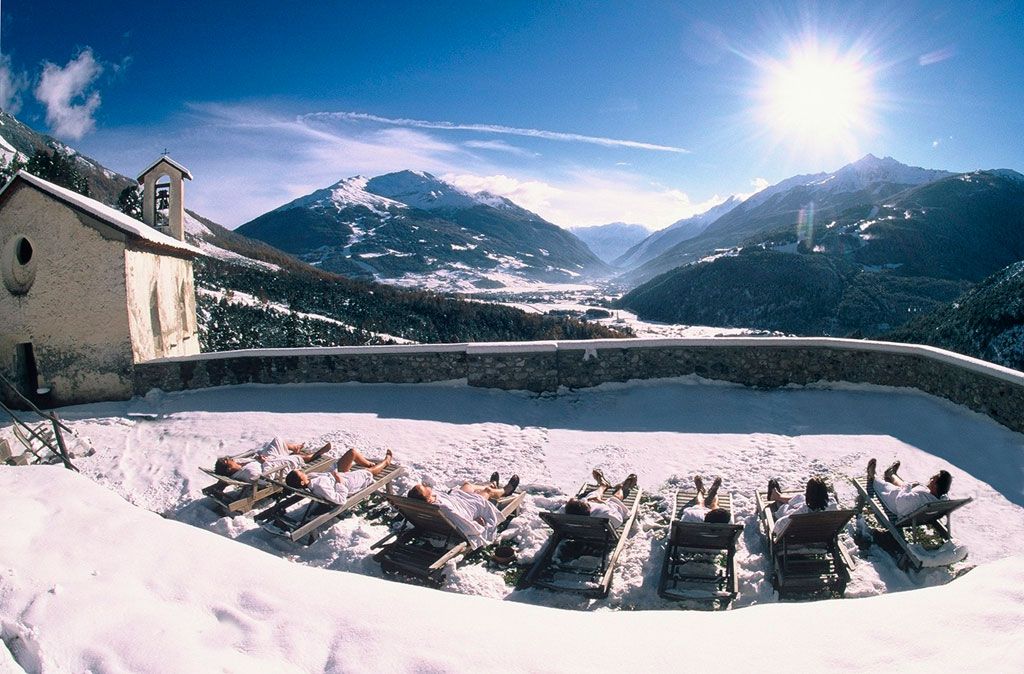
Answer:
(11, 85)
(757, 184)
(70, 105)
(591, 198)
(494, 128)
(499, 146)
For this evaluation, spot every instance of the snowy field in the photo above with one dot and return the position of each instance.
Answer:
(91, 583)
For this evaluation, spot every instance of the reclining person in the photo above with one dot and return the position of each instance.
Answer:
(336, 485)
(814, 499)
(595, 504)
(902, 497)
(706, 509)
(274, 456)
(469, 508)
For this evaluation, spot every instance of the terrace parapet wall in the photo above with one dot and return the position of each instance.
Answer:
(762, 362)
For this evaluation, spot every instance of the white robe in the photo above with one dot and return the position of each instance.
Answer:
(695, 513)
(337, 491)
(796, 506)
(463, 510)
(905, 499)
(276, 458)
(611, 508)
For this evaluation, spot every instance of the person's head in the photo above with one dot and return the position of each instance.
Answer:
(718, 516)
(816, 493)
(940, 483)
(422, 492)
(297, 479)
(226, 466)
(577, 506)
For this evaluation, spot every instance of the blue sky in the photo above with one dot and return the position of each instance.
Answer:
(586, 112)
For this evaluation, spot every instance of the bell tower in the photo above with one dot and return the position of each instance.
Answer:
(163, 196)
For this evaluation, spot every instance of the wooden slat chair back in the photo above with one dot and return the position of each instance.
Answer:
(596, 531)
(308, 523)
(807, 557)
(692, 548)
(422, 515)
(904, 530)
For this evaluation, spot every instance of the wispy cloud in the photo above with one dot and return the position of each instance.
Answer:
(70, 106)
(11, 85)
(496, 129)
(937, 56)
(499, 146)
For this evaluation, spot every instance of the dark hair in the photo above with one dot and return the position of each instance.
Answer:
(417, 493)
(577, 506)
(943, 481)
(293, 480)
(718, 516)
(816, 493)
(221, 466)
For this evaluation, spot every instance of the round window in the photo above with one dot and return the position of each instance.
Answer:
(18, 265)
(23, 251)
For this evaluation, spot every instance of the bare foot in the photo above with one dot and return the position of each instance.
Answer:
(599, 476)
(872, 464)
(387, 457)
(892, 470)
(698, 482)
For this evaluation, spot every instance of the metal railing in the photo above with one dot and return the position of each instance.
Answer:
(48, 433)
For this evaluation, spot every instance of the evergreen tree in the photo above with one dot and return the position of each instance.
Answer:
(129, 202)
(9, 168)
(59, 169)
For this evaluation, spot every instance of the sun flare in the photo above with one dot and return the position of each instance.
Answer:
(817, 98)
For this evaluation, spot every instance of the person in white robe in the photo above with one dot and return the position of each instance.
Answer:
(594, 503)
(277, 455)
(336, 485)
(706, 507)
(470, 508)
(903, 497)
(816, 498)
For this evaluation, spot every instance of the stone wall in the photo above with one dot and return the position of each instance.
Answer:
(547, 366)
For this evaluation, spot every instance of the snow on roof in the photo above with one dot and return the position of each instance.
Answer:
(108, 215)
(164, 158)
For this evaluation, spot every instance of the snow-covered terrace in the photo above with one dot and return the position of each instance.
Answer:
(93, 580)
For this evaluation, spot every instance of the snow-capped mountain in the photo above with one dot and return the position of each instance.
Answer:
(610, 241)
(679, 231)
(776, 211)
(413, 229)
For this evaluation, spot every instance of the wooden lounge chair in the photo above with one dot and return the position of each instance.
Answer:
(900, 535)
(700, 558)
(304, 523)
(559, 565)
(233, 497)
(807, 558)
(427, 541)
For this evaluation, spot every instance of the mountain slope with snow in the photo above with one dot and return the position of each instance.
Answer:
(679, 231)
(406, 225)
(610, 241)
(792, 203)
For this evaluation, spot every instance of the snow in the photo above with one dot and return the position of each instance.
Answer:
(344, 194)
(94, 579)
(108, 215)
(202, 234)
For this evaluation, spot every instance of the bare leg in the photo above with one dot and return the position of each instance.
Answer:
(487, 491)
(354, 456)
(711, 500)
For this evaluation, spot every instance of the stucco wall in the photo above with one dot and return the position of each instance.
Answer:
(161, 305)
(546, 366)
(74, 313)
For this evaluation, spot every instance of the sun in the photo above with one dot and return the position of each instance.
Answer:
(816, 99)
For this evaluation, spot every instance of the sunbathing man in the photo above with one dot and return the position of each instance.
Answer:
(595, 504)
(814, 499)
(336, 485)
(706, 508)
(902, 497)
(469, 508)
(276, 455)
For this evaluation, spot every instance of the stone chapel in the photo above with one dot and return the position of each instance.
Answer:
(88, 291)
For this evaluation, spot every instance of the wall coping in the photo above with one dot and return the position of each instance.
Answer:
(594, 345)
